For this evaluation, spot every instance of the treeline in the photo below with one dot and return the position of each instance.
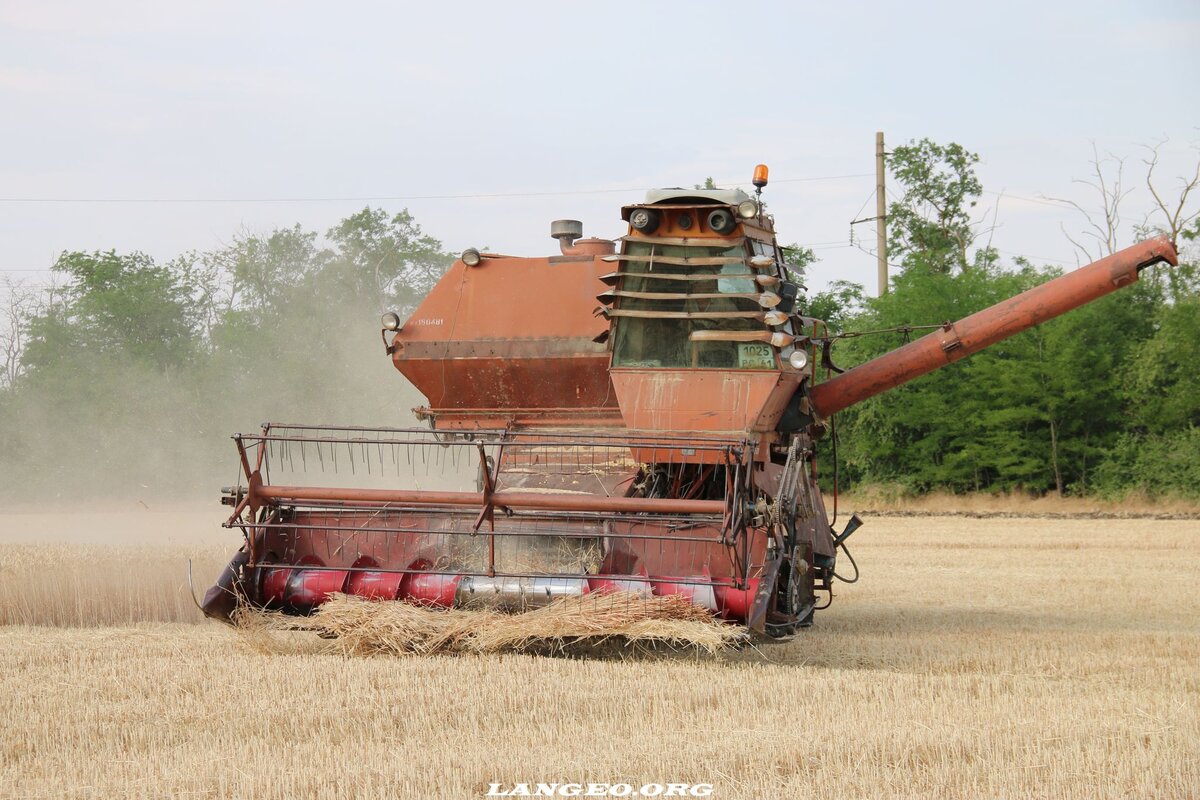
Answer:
(128, 376)
(1104, 400)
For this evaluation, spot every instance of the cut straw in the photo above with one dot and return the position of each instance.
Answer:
(354, 626)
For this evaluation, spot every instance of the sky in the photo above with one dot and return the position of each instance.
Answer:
(167, 127)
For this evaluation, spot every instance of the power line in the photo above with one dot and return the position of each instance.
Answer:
(378, 198)
(1046, 201)
(1038, 258)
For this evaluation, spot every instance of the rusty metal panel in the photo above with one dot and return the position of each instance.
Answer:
(694, 400)
(509, 334)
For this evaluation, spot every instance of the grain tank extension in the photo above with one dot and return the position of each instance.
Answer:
(636, 415)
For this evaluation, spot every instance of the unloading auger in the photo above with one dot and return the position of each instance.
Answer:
(661, 442)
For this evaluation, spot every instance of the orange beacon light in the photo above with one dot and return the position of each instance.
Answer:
(760, 176)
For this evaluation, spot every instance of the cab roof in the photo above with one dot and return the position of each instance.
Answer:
(728, 197)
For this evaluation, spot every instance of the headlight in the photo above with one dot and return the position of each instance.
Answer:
(390, 321)
(748, 209)
(798, 359)
(471, 257)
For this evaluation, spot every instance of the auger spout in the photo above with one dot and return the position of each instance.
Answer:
(994, 324)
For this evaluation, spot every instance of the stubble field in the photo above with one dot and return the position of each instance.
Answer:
(976, 658)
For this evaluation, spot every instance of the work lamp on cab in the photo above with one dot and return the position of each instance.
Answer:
(780, 339)
(390, 321)
(471, 257)
(748, 209)
(644, 220)
(769, 299)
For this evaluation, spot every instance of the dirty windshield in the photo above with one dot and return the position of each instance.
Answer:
(674, 291)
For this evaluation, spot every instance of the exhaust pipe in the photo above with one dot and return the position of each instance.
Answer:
(568, 230)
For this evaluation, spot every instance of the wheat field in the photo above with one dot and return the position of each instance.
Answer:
(976, 658)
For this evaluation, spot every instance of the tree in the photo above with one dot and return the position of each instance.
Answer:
(1162, 381)
(1103, 226)
(384, 260)
(952, 428)
(1154, 363)
(19, 303)
(113, 305)
(262, 272)
(930, 227)
(282, 324)
(838, 305)
(1176, 214)
(798, 259)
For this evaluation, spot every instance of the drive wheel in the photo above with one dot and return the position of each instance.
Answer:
(793, 608)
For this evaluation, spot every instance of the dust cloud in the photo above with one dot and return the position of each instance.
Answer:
(125, 438)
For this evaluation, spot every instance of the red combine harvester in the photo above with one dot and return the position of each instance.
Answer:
(639, 415)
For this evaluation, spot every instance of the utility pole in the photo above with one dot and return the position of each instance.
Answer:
(881, 214)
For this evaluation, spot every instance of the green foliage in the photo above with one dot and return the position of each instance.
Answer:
(114, 305)
(1037, 412)
(381, 259)
(928, 433)
(798, 259)
(264, 270)
(1162, 383)
(137, 372)
(1103, 399)
(837, 305)
(930, 227)
(1156, 465)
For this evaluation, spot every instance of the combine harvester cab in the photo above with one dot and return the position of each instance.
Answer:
(636, 416)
